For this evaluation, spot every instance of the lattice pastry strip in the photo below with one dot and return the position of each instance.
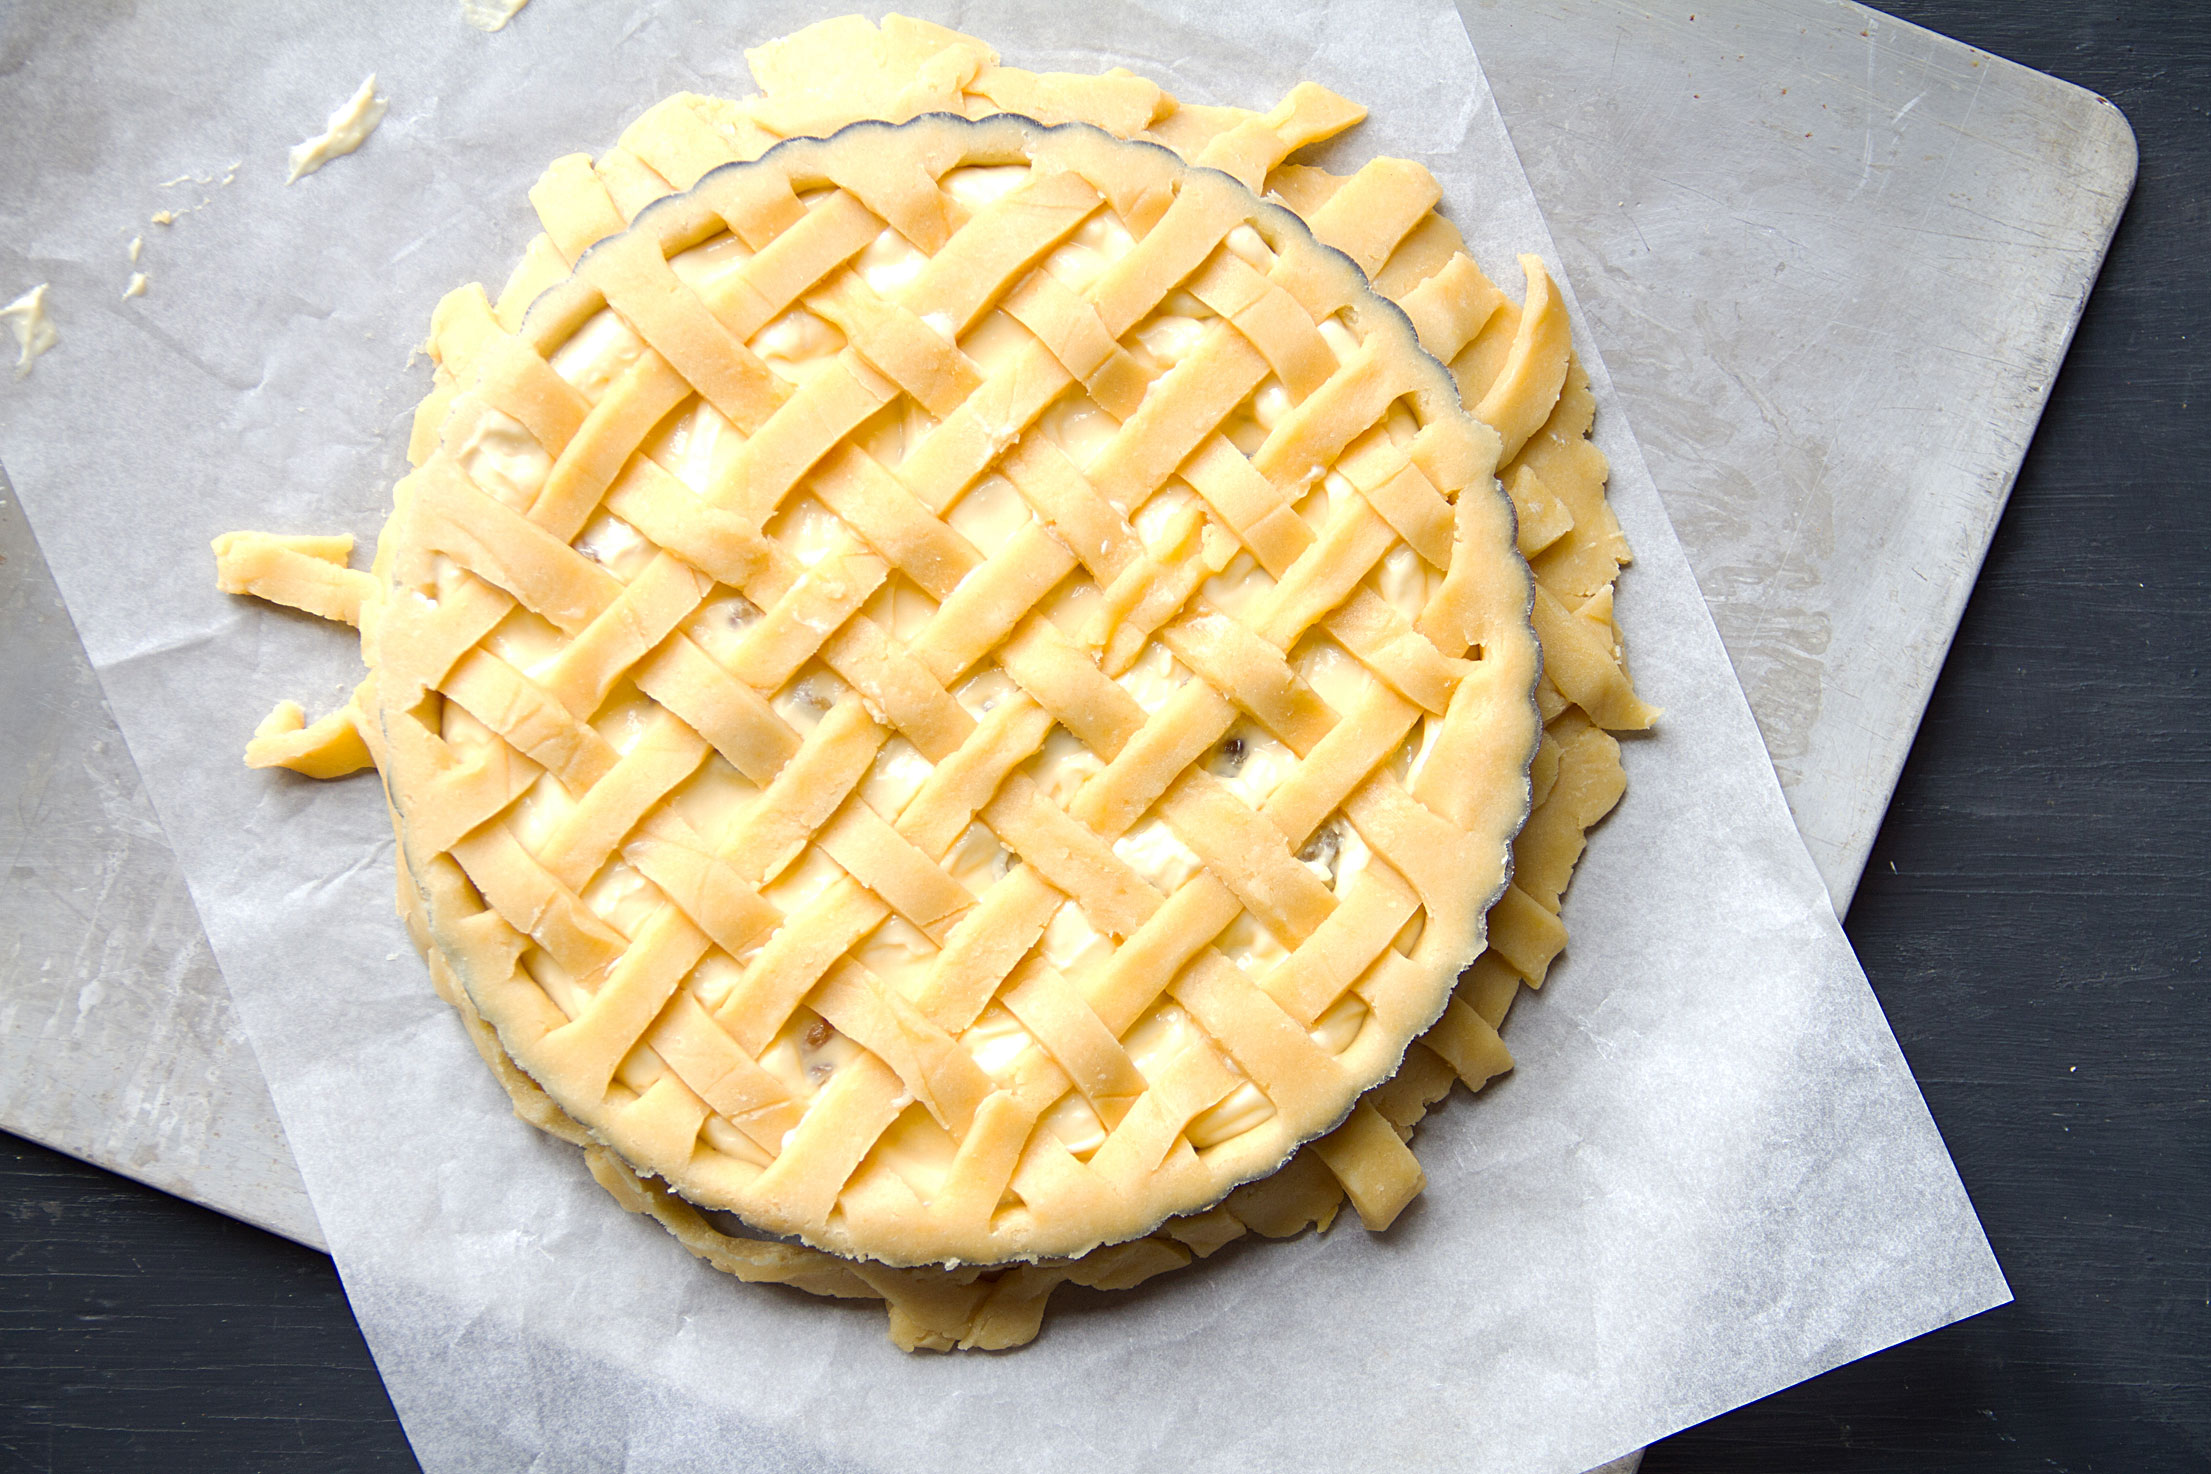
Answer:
(1453, 307)
(963, 1058)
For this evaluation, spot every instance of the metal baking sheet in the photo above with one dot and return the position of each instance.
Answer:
(117, 1041)
(1834, 261)
(1835, 347)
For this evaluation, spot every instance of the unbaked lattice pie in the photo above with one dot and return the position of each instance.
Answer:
(959, 689)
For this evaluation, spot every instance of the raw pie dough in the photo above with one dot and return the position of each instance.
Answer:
(1228, 712)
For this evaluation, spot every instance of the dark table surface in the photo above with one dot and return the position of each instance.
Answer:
(2034, 920)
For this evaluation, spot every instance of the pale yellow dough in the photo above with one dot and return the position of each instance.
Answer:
(1025, 1080)
(349, 127)
(924, 830)
(34, 330)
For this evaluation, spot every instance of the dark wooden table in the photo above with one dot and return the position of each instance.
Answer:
(2035, 921)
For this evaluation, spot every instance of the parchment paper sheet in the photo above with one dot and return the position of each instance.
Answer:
(1711, 1175)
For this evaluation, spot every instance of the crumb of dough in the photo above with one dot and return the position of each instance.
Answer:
(137, 287)
(347, 129)
(490, 15)
(34, 331)
(137, 245)
(164, 217)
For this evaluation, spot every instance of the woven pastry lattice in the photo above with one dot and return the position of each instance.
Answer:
(851, 683)
(1514, 369)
